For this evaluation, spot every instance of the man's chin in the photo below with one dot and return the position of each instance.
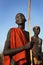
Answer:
(19, 23)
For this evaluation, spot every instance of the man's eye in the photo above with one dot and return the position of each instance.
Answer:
(16, 17)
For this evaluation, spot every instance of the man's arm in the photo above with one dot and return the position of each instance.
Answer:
(13, 51)
(8, 51)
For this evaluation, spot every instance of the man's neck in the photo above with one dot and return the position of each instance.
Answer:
(21, 27)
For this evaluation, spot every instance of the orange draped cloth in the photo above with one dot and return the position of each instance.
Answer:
(17, 39)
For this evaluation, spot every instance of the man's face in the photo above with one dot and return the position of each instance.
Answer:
(37, 30)
(19, 19)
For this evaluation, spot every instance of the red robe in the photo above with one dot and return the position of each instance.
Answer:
(17, 39)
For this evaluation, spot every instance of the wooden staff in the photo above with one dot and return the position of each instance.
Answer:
(29, 7)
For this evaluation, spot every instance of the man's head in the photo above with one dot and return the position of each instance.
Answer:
(36, 30)
(20, 19)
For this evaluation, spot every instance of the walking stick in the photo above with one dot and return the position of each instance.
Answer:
(29, 7)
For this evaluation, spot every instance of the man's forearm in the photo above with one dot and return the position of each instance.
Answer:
(13, 51)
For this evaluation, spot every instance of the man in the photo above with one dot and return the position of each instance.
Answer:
(36, 45)
(16, 48)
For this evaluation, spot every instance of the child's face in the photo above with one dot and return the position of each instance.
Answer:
(36, 30)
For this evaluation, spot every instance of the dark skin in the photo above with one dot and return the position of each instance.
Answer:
(21, 24)
(36, 42)
(20, 20)
(1, 58)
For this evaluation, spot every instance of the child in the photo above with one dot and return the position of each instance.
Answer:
(36, 45)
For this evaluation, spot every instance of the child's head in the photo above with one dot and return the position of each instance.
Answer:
(36, 30)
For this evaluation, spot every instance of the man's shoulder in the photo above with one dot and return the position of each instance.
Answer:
(9, 31)
(26, 32)
(12, 29)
